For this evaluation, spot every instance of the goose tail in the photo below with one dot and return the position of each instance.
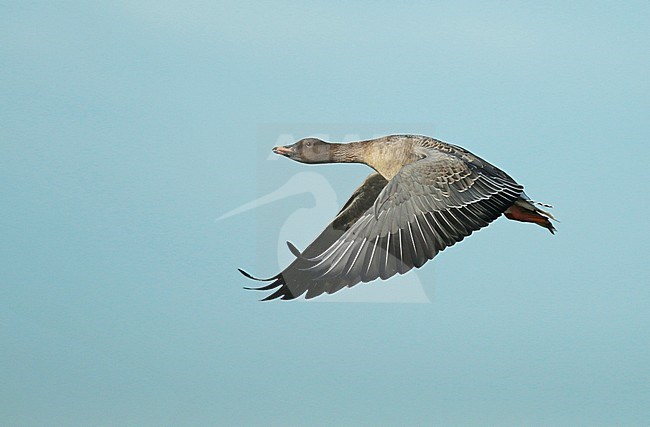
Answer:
(529, 211)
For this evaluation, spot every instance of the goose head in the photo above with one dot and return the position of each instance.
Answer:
(308, 150)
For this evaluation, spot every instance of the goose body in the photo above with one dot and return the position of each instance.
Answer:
(424, 196)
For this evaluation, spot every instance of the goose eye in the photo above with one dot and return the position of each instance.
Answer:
(308, 143)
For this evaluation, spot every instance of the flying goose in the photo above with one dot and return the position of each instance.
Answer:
(425, 196)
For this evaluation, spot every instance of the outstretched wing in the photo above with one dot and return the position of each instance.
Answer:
(428, 206)
(294, 280)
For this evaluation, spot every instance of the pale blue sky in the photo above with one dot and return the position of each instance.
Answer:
(128, 128)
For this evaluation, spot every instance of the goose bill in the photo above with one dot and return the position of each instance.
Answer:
(283, 151)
